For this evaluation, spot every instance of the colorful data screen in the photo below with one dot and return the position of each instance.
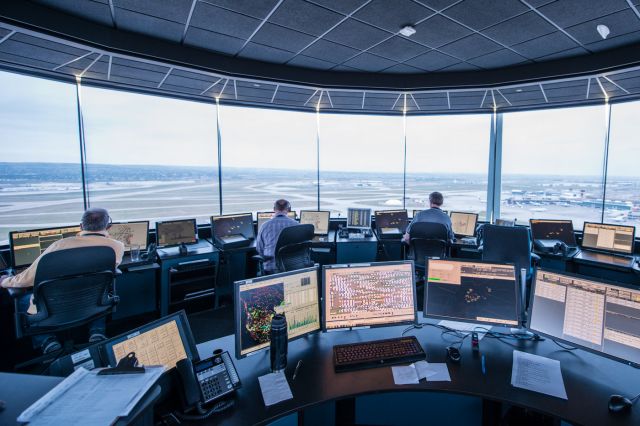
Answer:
(613, 238)
(464, 224)
(392, 221)
(358, 218)
(176, 232)
(546, 229)
(319, 220)
(26, 246)
(130, 233)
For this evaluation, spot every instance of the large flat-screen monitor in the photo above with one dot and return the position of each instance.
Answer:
(319, 220)
(392, 221)
(415, 212)
(265, 216)
(549, 229)
(26, 246)
(472, 291)
(464, 224)
(294, 294)
(372, 294)
(610, 238)
(131, 233)
(176, 232)
(358, 218)
(590, 313)
(233, 224)
(162, 342)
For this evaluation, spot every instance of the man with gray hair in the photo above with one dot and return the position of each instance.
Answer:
(94, 225)
(433, 214)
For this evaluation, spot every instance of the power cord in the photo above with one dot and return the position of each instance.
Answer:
(202, 413)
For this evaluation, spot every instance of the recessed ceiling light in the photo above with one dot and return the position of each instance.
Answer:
(407, 31)
(518, 90)
(256, 85)
(603, 30)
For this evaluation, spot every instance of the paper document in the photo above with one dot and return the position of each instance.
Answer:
(441, 373)
(405, 375)
(538, 374)
(275, 388)
(424, 371)
(86, 398)
(465, 327)
(412, 374)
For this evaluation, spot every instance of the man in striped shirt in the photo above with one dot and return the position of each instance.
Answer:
(270, 231)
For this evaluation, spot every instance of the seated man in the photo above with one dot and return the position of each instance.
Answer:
(95, 223)
(270, 231)
(433, 214)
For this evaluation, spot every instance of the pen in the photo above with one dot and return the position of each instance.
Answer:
(484, 368)
(295, 372)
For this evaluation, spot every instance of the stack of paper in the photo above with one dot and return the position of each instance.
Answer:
(412, 374)
(538, 374)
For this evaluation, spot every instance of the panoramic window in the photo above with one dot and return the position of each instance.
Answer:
(623, 177)
(361, 162)
(41, 181)
(267, 155)
(449, 154)
(149, 157)
(552, 164)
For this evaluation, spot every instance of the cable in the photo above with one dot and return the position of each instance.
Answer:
(204, 414)
(564, 347)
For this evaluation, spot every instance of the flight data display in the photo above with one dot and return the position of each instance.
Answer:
(392, 221)
(562, 230)
(464, 224)
(358, 218)
(594, 315)
(319, 220)
(265, 216)
(375, 294)
(471, 291)
(294, 294)
(233, 225)
(602, 236)
(176, 232)
(130, 233)
(26, 246)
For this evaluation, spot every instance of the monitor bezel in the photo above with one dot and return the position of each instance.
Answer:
(11, 243)
(223, 216)
(237, 312)
(422, 210)
(613, 251)
(517, 286)
(511, 222)
(573, 231)
(182, 321)
(404, 228)
(565, 341)
(349, 215)
(195, 230)
(146, 244)
(295, 217)
(474, 228)
(328, 212)
(364, 265)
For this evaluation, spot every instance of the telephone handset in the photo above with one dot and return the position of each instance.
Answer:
(207, 381)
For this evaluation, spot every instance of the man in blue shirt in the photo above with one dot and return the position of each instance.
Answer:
(434, 214)
(270, 231)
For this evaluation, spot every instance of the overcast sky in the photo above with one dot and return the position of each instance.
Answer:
(38, 122)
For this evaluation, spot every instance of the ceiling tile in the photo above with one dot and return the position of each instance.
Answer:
(461, 66)
(356, 34)
(257, 9)
(613, 42)
(570, 12)
(329, 51)
(392, 18)
(438, 4)
(305, 17)
(479, 14)
(519, 29)
(369, 62)
(470, 47)
(342, 6)
(149, 25)
(439, 30)
(498, 59)
(282, 38)
(171, 10)
(403, 69)
(213, 41)
(309, 62)
(222, 21)
(619, 23)
(576, 51)
(265, 53)
(91, 10)
(398, 49)
(545, 45)
(433, 61)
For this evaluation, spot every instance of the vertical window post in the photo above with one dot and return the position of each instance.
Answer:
(494, 183)
(219, 134)
(318, 154)
(83, 148)
(605, 163)
(404, 168)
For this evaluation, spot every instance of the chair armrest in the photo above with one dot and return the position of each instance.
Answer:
(535, 259)
(258, 258)
(480, 248)
(118, 272)
(16, 292)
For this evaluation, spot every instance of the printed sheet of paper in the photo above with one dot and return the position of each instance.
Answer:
(538, 374)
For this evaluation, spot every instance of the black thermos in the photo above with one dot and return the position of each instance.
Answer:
(278, 342)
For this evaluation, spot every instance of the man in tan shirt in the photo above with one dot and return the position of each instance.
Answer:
(94, 225)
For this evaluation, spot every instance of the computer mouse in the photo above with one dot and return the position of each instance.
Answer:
(453, 354)
(619, 403)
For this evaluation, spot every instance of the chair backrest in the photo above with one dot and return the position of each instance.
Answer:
(428, 239)
(507, 244)
(72, 287)
(293, 248)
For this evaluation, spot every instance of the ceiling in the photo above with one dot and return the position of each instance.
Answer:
(340, 55)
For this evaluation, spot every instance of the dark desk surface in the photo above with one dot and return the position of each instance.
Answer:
(589, 379)
(203, 246)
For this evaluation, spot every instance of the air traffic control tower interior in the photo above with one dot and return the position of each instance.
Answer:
(462, 189)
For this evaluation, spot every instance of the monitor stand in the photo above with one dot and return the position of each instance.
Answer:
(183, 250)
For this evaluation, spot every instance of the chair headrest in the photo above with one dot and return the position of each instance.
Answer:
(429, 230)
(295, 234)
(75, 261)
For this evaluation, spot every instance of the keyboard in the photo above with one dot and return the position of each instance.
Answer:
(355, 235)
(377, 353)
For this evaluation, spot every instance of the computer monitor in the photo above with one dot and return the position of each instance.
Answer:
(606, 237)
(367, 295)
(26, 246)
(593, 314)
(319, 220)
(548, 229)
(176, 232)
(233, 224)
(358, 218)
(392, 221)
(464, 224)
(162, 342)
(505, 222)
(131, 233)
(472, 291)
(294, 294)
(415, 212)
(265, 216)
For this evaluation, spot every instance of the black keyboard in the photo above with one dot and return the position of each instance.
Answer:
(377, 353)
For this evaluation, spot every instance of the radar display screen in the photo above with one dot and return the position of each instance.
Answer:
(176, 232)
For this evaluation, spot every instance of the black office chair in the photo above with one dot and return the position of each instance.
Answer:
(72, 288)
(293, 250)
(428, 239)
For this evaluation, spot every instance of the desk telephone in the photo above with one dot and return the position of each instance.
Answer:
(207, 381)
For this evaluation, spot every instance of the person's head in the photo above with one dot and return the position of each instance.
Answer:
(282, 206)
(436, 199)
(95, 219)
